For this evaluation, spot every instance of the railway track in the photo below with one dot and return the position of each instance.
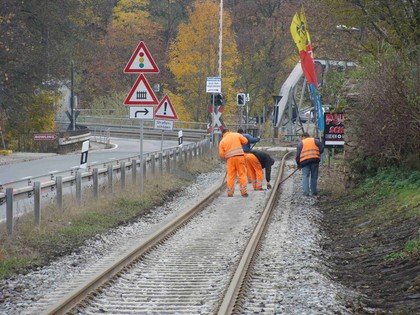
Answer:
(196, 264)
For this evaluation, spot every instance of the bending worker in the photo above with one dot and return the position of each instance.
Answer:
(256, 161)
(230, 148)
(308, 156)
(251, 140)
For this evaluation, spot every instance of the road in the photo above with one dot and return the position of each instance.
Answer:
(124, 148)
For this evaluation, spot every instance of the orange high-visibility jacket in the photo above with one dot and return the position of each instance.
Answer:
(310, 150)
(231, 145)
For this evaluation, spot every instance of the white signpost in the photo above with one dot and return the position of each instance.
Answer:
(180, 138)
(84, 156)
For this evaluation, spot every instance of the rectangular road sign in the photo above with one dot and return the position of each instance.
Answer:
(164, 124)
(45, 136)
(142, 112)
(334, 130)
(214, 85)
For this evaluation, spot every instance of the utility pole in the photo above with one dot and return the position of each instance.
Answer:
(220, 38)
(73, 119)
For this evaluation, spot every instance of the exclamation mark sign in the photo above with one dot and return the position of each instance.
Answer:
(165, 106)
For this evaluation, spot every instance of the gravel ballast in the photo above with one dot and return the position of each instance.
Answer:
(303, 283)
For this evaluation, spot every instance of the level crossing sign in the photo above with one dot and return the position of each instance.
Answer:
(165, 109)
(141, 61)
(141, 93)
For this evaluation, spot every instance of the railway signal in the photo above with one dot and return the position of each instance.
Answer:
(240, 99)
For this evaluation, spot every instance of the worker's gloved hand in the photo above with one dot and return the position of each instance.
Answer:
(269, 186)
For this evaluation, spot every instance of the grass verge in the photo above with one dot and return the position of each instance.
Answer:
(373, 235)
(63, 230)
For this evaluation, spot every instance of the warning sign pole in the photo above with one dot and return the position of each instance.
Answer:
(141, 157)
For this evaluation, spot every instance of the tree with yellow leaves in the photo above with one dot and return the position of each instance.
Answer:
(194, 57)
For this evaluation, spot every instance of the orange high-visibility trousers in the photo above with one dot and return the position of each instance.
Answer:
(254, 171)
(235, 167)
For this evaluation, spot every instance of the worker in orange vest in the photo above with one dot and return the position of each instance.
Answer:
(256, 161)
(308, 156)
(230, 148)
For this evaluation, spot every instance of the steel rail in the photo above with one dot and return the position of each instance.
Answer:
(232, 293)
(81, 293)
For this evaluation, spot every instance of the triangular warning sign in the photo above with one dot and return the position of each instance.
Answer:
(141, 93)
(141, 61)
(165, 109)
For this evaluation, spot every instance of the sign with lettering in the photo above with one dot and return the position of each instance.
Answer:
(214, 85)
(164, 124)
(45, 136)
(334, 129)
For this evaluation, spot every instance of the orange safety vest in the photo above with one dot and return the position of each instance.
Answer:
(231, 145)
(309, 150)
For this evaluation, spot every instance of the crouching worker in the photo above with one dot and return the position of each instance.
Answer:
(230, 148)
(256, 161)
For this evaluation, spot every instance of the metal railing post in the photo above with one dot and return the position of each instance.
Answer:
(168, 161)
(110, 184)
(37, 202)
(142, 173)
(134, 170)
(79, 187)
(144, 170)
(161, 163)
(153, 163)
(95, 174)
(175, 159)
(122, 165)
(59, 185)
(9, 210)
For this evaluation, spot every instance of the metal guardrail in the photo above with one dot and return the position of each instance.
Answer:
(127, 128)
(167, 161)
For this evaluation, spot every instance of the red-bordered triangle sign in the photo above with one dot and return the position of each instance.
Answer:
(165, 109)
(141, 93)
(141, 61)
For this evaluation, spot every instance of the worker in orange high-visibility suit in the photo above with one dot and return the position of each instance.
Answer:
(256, 161)
(230, 148)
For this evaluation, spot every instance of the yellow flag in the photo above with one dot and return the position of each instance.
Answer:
(305, 25)
(299, 31)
